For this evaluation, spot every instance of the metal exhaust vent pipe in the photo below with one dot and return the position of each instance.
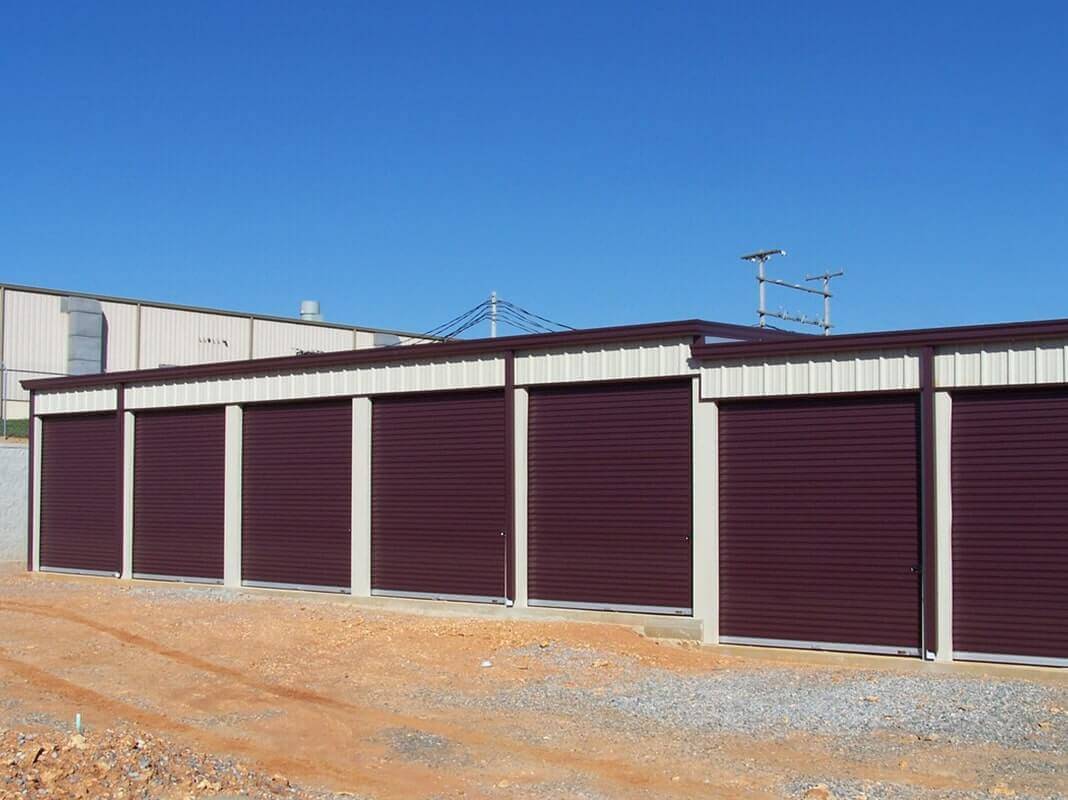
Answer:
(309, 310)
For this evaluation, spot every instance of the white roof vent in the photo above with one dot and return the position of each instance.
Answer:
(309, 310)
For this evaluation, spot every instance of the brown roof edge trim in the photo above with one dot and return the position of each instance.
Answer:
(920, 337)
(418, 352)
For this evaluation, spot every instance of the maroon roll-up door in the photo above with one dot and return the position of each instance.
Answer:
(179, 463)
(609, 508)
(80, 493)
(296, 510)
(819, 523)
(1010, 524)
(439, 496)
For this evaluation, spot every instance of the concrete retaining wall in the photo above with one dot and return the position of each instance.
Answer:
(13, 474)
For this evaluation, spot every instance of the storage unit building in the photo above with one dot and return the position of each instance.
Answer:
(895, 492)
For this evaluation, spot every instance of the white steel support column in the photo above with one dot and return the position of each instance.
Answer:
(361, 497)
(127, 493)
(38, 443)
(705, 542)
(520, 492)
(232, 497)
(944, 513)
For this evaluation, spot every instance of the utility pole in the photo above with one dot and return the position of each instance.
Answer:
(826, 278)
(493, 315)
(760, 259)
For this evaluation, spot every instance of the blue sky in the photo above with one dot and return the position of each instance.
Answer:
(600, 163)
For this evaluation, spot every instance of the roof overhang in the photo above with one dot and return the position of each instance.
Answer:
(694, 329)
(919, 337)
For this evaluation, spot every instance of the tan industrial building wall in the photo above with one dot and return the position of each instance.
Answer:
(144, 335)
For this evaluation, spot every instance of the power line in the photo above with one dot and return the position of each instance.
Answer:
(496, 310)
(536, 316)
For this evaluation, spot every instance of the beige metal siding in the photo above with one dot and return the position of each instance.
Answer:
(472, 373)
(271, 338)
(1002, 364)
(120, 335)
(35, 332)
(835, 372)
(610, 363)
(176, 338)
(79, 401)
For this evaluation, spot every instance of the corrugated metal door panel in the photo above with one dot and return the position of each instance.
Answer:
(179, 464)
(79, 493)
(819, 521)
(297, 494)
(1010, 523)
(439, 495)
(609, 516)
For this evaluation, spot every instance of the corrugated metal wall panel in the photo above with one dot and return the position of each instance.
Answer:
(610, 363)
(874, 371)
(173, 337)
(35, 338)
(297, 494)
(79, 495)
(439, 494)
(609, 514)
(272, 338)
(179, 463)
(79, 401)
(1010, 522)
(819, 521)
(452, 374)
(1002, 364)
(120, 336)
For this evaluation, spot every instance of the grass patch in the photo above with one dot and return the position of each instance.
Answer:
(18, 428)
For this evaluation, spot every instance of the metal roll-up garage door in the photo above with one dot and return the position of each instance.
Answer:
(819, 523)
(1009, 464)
(80, 494)
(439, 492)
(296, 510)
(179, 464)
(609, 514)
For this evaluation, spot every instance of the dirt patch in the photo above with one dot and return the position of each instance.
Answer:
(394, 706)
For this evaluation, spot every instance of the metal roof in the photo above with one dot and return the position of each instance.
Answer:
(692, 329)
(916, 337)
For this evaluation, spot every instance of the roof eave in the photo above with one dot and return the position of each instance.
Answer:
(919, 337)
(684, 329)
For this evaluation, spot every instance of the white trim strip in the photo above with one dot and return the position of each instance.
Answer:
(128, 449)
(69, 571)
(619, 607)
(76, 401)
(299, 587)
(1005, 658)
(147, 576)
(459, 598)
(38, 446)
(797, 644)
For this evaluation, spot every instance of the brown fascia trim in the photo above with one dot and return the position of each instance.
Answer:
(920, 337)
(692, 329)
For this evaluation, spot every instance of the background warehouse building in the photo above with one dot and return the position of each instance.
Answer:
(52, 332)
(899, 493)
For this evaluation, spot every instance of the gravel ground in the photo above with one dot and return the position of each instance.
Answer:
(863, 714)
